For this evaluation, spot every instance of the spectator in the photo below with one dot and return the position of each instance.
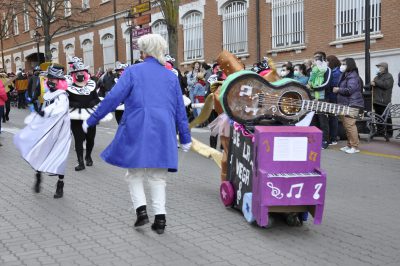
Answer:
(308, 64)
(334, 65)
(191, 79)
(287, 70)
(106, 83)
(300, 73)
(5, 81)
(318, 83)
(382, 93)
(349, 92)
(207, 74)
(3, 99)
(34, 88)
(21, 85)
(199, 92)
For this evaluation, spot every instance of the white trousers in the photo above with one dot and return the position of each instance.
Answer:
(157, 182)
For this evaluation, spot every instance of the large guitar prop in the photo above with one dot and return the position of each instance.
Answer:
(248, 99)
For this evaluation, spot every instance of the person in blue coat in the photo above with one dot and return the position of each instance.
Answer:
(145, 142)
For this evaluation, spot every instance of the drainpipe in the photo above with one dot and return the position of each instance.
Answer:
(258, 30)
(115, 30)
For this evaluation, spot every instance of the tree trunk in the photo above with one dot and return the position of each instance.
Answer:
(173, 43)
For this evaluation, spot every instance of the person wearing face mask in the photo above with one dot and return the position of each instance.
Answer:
(44, 143)
(106, 82)
(287, 70)
(349, 93)
(382, 87)
(318, 84)
(300, 74)
(119, 69)
(83, 99)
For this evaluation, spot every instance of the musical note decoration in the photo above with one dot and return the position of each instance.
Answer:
(275, 192)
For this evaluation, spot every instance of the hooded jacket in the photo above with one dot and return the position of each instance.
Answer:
(350, 90)
(382, 91)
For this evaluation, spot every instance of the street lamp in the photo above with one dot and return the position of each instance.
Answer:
(128, 22)
(36, 37)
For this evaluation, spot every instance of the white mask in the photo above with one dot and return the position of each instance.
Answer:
(284, 73)
(318, 63)
(297, 73)
(343, 68)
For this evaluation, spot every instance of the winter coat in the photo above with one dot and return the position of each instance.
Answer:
(382, 91)
(350, 90)
(3, 94)
(154, 109)
(330, 96)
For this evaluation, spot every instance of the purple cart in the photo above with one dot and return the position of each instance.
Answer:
(286, 174)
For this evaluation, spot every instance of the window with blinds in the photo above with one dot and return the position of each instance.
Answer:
(160, 27)
(87, 47)
(193, 36)
(26, 18)
(287, 23)
(234, 24)
(350, 18)
(108, 51)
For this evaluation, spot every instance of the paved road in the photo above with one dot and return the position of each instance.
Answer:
(93, 223)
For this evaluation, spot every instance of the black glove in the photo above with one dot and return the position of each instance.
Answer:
(40, 112)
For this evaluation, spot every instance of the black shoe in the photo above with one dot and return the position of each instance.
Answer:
(325, 145)
(7, 118)
(81, 164)
(36, 188)
(159, 226)
(60, 190)
(142, 217)
(89, 161)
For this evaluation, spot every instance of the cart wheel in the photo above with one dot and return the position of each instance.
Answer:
(227, 194)
(246, 207)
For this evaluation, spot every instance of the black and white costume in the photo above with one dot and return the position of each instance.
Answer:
(119, 69)
(83, 100)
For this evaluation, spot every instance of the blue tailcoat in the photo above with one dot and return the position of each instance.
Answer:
(154, 109)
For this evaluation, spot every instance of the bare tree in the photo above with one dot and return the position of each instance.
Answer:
(5, 17)
(50, 17)
(170, 11)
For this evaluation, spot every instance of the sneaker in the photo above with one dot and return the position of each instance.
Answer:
(325, 145)
(352, 150)
(333, 143)
(345, 148)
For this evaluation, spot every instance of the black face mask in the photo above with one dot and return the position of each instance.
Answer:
(80, 78)
(51, 85)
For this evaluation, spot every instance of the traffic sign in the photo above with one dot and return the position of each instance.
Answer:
(142, 20)
(141, 32)
(141, 8)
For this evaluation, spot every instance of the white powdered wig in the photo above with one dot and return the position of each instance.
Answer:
(153, 45)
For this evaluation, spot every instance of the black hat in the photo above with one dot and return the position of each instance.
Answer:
(55, 72)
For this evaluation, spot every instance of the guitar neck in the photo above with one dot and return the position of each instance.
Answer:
(330, 108)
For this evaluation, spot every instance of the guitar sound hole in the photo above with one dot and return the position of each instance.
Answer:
(290, 103)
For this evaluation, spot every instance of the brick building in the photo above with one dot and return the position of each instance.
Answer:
(282, 29)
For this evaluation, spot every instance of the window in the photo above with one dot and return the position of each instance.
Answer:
(87, 47)
(234, 24)
(350, 18)
(38, 15)
(193, 36)
(15, 24)
(67, 8)
(287, 23)
(26, 18)
(54, 55)
(53, 11)
(108, 51)
(5, 28)
(18, 63)
(85, 4)
(160, 27)
(69, 51)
